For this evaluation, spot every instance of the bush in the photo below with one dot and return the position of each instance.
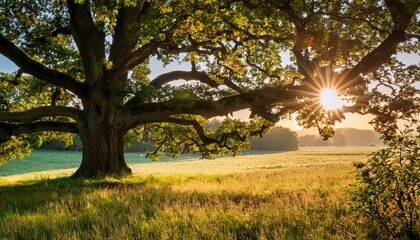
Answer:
(388, 191)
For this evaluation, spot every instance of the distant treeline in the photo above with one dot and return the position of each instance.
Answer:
(59, 145)
(279, 139)
(343, 137)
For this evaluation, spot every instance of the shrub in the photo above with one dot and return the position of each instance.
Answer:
(388, 191)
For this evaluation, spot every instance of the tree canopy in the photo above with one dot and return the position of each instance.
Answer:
(84, 68)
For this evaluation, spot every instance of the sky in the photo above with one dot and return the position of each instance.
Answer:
(6, 65)
(351, 120)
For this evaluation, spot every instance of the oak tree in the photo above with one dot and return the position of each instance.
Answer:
(84, 69)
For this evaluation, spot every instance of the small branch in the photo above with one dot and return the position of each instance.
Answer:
(61, 30)
(197, 127)
(264, 71)
(353, 18)
(137, 57)
(223, 140)
(55, 96)
(262, 112)
(18, 75)
(414, 36)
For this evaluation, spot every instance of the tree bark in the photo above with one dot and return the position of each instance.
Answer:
(103, 148)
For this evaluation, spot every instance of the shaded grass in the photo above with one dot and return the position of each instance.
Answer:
(271, 196)
(175, 207)
(47, 160)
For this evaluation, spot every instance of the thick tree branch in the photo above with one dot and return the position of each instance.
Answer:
(137, 57)
(122, 43)
(137, 113)
(142, 53)
(44, 126)
(183, 75)
(7, 130)
(38, 70)
(401, 16)
(90, 40)
(305, 66)
(38, 113)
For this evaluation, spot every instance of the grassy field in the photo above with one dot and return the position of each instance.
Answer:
(289, 195)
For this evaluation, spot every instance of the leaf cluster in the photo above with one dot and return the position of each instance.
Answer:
(191, 134)
(388, 191)
(394, 97)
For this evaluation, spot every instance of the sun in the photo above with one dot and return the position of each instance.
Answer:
(330, 99)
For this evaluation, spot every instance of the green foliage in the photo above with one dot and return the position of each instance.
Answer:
(133, 136)
(389, 188)
(395, 97)
(19, 146)
(14, 148)
(230, 137)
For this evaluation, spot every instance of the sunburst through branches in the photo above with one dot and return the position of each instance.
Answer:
(330, 100)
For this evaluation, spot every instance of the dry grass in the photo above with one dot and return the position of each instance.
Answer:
(291, 195)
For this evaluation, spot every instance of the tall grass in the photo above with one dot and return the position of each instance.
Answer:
(294, 199)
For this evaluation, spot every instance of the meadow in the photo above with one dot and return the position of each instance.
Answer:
(287, 195)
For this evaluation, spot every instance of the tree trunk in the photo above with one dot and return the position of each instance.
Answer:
(103, 149)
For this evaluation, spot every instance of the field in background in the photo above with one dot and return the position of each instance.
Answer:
(44, 164)
(288, 195)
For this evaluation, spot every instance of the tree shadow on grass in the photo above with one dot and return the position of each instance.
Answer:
(152, 208)
(33, 195)
(86, 203)
(45, 160)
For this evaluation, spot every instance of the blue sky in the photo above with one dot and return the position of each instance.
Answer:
(6, 65)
